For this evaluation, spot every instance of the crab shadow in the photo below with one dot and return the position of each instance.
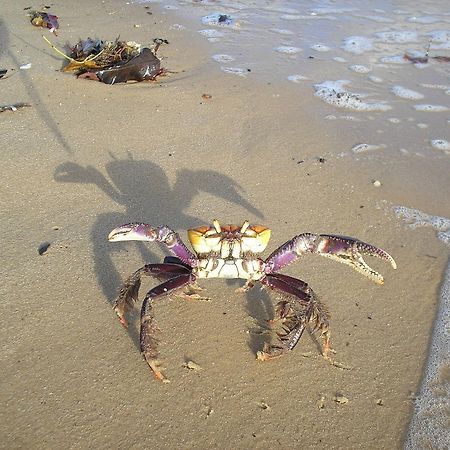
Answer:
(143, 193)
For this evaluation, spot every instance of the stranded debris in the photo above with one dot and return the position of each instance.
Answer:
(113, 61)
(13, 107)
(44, 20)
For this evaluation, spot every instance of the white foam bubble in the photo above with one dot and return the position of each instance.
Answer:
(435, 86)
(378, 19)
(424, 19)
(339, 59)
(281, 31)
(296, 78)
(409, 94)
(320, 48)
(394, 120)
(291, 17)
(431, 108)
(375, 79)
(344, 117)
(177, 26)
(358, 68)
(440, 144)
(422, 125)
(439, 35)
(281, 10)
(397, 37)
(442, 46)
(222, 58)
(394, 59)
(210, 33)
(357, 44)
(333, 93)
(325, 10)
(288, 50)
(218, 19)
(361, 148)
(239, 71)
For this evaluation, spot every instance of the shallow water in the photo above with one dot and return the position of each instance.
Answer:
(349, 55)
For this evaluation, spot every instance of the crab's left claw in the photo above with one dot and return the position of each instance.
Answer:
(146, 232)
(133, 232)
(350, 251)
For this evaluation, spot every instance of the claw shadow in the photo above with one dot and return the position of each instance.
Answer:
(143, 192)
(259, 306)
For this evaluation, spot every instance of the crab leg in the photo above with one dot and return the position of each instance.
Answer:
(311, 310)
(130, 289)
(148, 342)
(164, 235)
(343, 249)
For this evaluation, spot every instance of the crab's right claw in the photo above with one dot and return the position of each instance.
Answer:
(350, 251)
(133, 232)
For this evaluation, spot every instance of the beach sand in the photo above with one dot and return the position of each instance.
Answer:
(86, 157)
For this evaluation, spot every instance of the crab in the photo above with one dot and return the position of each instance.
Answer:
(232, 252)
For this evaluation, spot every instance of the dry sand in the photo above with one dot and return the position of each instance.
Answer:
(87, 157)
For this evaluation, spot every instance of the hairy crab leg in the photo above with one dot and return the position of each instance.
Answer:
(343, 249)
(148, 342)
(311, 310)
(164, 235)
(130, 289)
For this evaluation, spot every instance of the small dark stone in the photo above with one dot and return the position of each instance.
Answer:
(321, 160)
(43, 247)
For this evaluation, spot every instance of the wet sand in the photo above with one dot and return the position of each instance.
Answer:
(87, 157)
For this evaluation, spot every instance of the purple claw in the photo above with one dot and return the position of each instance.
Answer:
(350, 251)
(145, 232)
(344, 249)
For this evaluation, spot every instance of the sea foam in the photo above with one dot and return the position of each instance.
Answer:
(357, 44)
(333, 93)
(440, 144)
(409, 94)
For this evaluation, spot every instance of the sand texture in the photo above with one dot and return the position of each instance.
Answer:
(87, 157)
